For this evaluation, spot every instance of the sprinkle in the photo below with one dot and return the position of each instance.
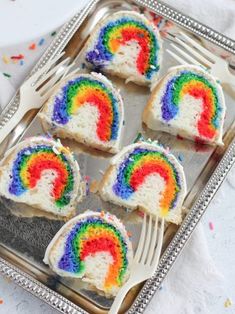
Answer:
(41, 42)
(53, 33)
(180, 157)
(21, 62)
(123, 123)
(129, 234)
(19, 57)
(152, 67)
(140, 213)
(160, 288)
(128, 210)
(101, 172)
(83, 65)
(48, 135)
(211, 226)
(55, 150)
(97, 51)
(6, 74)
(179, 137)
(5, 59)
(99, 210)
(138, 138)
(32, 46)
(1, 301)
(87, 179)
(102, 213)
(63, 149)
(94, 186)
(167, 149)
(227, 302)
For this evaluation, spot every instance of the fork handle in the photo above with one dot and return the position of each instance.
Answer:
(119, 298)
(9, 126)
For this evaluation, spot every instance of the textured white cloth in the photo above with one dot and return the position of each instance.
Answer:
(194, 278)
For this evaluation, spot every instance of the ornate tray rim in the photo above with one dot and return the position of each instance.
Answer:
(54, 299)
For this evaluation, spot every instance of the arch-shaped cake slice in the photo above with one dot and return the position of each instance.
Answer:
(188, 102)
(125, 44)
(95, 247)
(87, 108)
(147, 177)
(42, 173)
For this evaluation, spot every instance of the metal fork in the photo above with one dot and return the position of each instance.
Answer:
(191, 52)
(145, 260)
(36, 90)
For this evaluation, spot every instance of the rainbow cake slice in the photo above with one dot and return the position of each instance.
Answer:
(94, 247)
(125, 44)
(42, 173)
(188, 102)
(87, 108)
(145, 176)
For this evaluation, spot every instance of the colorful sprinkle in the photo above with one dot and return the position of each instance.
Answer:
(18, 57)
(6, 74)
(5, 59)
(32, 46)
(1, 301)
(181, 157)
(227, 303)
(53, 33)
(41, 42)
(21, 62)
(211, 226)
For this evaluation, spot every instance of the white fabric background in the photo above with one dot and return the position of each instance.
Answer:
(195, 284)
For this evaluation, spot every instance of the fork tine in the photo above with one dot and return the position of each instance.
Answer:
(159, 246)
(33, 78)
(199, 47)
(51, 72)
(153, 242)
(176, 57)
(186, 55)
(141, 240)
(53, 80)
(147, 240)
(195, 53)
(71, 73)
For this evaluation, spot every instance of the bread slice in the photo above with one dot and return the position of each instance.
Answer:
(188, 102)
(88, 109)
(145, 176)
(42, 173)
(95, 247)
(125, 44)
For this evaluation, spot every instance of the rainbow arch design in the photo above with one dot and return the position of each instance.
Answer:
(92, 235)
(83, 90)
(28, 167)
(197, 86)
(120, 32)
(140, 163)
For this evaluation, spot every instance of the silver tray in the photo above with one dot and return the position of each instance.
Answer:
(205, 171)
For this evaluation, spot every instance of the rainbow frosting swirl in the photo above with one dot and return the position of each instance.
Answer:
(140, 163)
(85, 90)
(93, 235)
(120, 32)
(198, 87)
(29, 165)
